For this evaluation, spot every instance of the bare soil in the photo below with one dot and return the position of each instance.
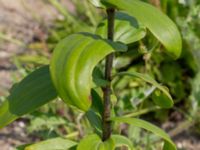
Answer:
(21, 21)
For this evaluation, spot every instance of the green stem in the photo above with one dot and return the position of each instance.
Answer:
(107, 130)
(142, 111)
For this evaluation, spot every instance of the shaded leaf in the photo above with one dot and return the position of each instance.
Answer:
(97, 102)
(161, 99)
(196, 88)
(167, 99)
(95, 121)
(32, 92)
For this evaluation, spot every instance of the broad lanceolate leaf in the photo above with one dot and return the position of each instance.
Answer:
(166, 101)
(94, 142)
(32, 92)
(122, 141)
(73, 61)
(127, 29)
(53, 144)
(157, 22)
(169, 145)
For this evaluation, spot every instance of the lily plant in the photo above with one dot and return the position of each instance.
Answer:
(73, 76)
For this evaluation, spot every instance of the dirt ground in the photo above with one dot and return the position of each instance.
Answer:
(20, 22)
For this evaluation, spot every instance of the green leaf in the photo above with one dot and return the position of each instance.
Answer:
(72, 64)
(40, 121)
(97, 102)
(21, 147)
(122, 141)
(53, 144)
(95, 121)
(98, 78)
(157, 22)
(166, 102)
(95, 112)
(161, 99)
(90, 142)
(127, 29)
(32, 92)
(169, 145)
(107, 145)
(94, 142)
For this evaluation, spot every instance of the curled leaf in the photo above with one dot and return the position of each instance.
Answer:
(72, 64)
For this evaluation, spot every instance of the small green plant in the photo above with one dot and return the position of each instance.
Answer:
(75, 75)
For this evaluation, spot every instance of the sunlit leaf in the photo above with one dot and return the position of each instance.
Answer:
(98, 78)
(169, 145)
(21, 147)
(157, 22)
(53, 144)
(90, 142)
(127, 29)
(122, 141)
(32, 92)
(72, 64)
(94, 142)
(107, 145)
